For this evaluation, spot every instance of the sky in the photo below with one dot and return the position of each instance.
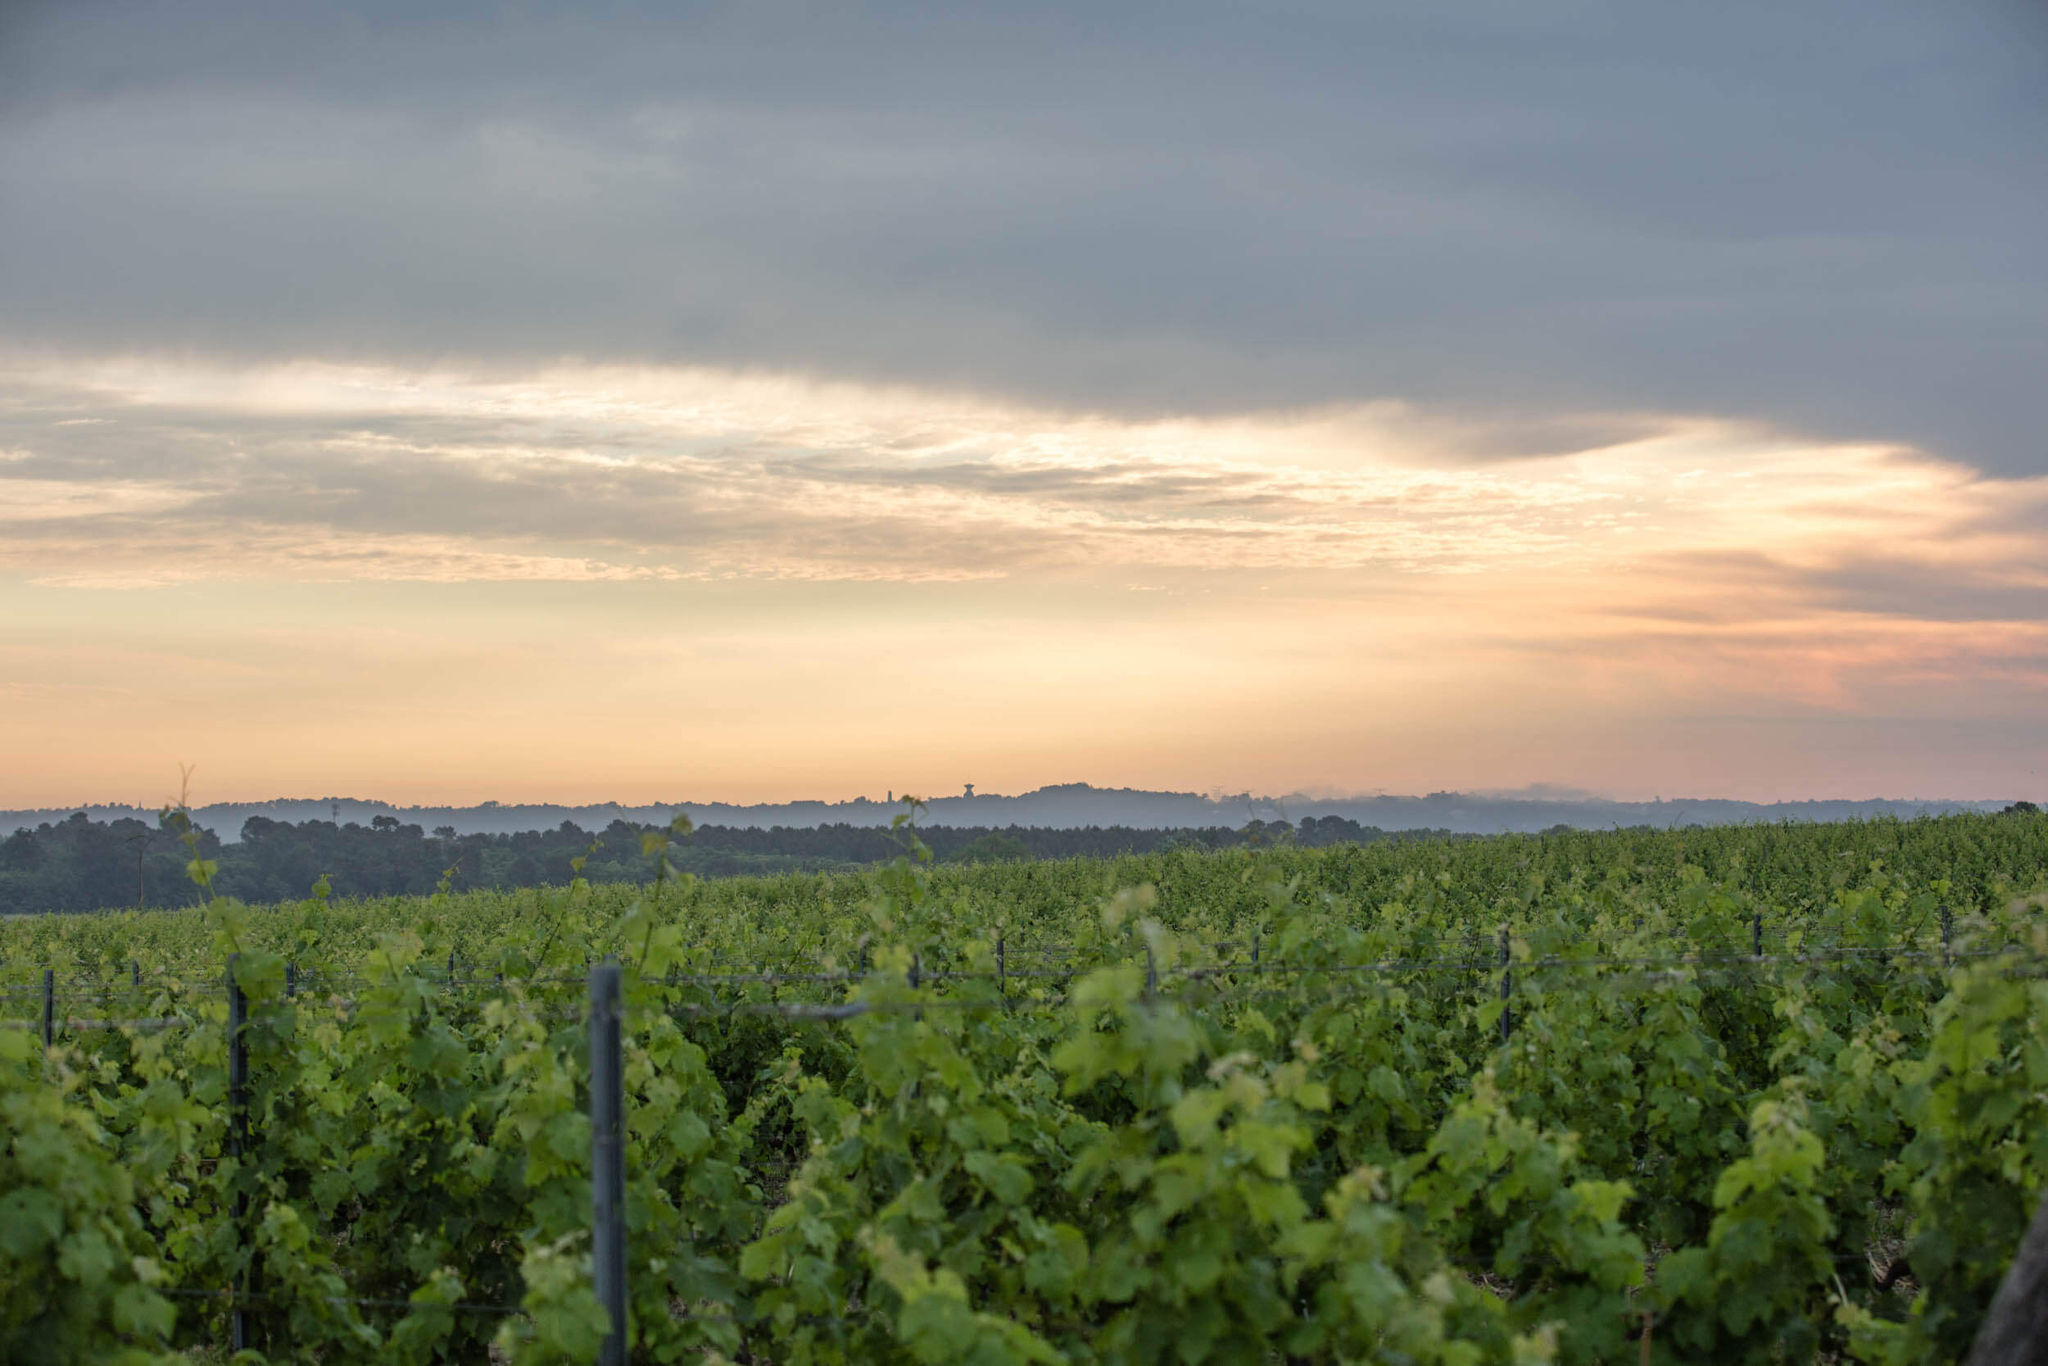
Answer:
(771, 401)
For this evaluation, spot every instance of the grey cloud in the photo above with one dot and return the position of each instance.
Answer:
(1933, 592)
(1903, 584)
(416, 473)
(249, 484)
(254, 492)
(1824, 216)
(1120, 485)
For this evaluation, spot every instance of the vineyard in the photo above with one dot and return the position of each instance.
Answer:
(1765, 1094)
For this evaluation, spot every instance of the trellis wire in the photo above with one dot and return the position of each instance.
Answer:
(815, 968)
(1689, 967)
(1001, 972)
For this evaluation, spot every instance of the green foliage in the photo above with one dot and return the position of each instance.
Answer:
(1757, 1289)
(77, 1274)
(1136, 1147)
(1976, 1102)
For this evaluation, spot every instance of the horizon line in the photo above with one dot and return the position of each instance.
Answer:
(1533, 795)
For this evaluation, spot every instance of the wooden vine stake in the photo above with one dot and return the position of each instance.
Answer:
(2015, 1330)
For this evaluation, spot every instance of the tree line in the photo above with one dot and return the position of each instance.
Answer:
(79, 864)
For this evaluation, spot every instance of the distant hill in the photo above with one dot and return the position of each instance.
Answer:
(1067, 805)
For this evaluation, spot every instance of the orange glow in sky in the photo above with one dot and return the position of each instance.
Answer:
(590, 583)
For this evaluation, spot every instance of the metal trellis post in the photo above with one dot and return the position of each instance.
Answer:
(608, 1158)
(49, 1006)
(238, 1131)
(1002, 981)
(1756, 935)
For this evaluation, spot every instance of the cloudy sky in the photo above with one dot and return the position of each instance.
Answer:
(465, 401)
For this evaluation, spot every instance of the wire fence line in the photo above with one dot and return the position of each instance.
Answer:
(1645, 972)
(312, 985)
(827, 967)
(819, 970)
(1886, 1270)
(254, 1300)
(1479, 961)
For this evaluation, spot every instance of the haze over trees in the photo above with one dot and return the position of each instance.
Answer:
(80, 864)
(1061, 805)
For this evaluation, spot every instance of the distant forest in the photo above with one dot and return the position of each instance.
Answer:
(80, 864)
